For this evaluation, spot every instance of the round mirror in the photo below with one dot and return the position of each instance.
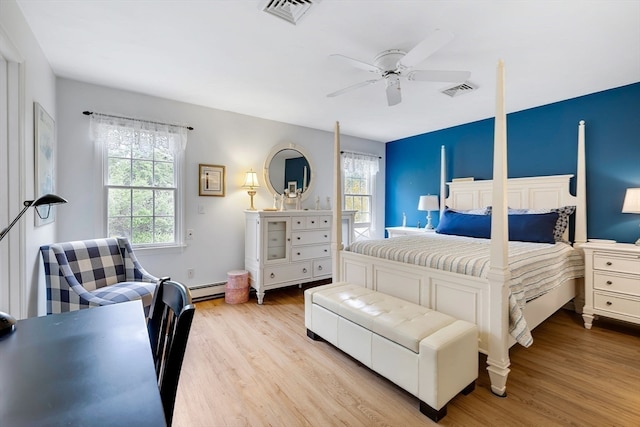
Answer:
(288, 167)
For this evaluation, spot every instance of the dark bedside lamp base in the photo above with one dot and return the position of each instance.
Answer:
(7, 324)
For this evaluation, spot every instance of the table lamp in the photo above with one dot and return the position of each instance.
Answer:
(250, 183)
(428, 203)
(8, 322)
(632, 203)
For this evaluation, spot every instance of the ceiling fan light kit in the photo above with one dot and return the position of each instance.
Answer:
(393, 64)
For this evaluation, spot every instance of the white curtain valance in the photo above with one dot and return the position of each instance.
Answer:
(104, 129)
(360, 163)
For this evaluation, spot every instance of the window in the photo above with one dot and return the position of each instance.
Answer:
(142, 179)
(359, 184)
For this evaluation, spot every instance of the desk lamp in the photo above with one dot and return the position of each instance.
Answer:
(8, 322)
(632, 203)
(251, 183)
(428, 203)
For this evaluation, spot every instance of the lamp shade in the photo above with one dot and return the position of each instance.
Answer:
(48, 199)
(631, 201)
(251, 180)
(428, 203)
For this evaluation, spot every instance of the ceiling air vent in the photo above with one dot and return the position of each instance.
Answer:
(289, 10)
(460, 89)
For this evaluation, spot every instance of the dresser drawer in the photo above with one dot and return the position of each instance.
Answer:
(616, 304)
(298, 223)
(617, 283)
(287, 273)
(619, 262)
(300, 253)
(275, 238)
(324, 221)
(310, 237)
(322, 267)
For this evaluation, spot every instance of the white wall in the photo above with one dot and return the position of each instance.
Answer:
(219, 137)
(19, 251)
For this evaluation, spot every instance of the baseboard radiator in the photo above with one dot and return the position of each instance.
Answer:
(207, 291)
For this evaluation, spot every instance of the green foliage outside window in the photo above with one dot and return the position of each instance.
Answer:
(141, 188)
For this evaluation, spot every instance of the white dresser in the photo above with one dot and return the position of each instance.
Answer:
(284, 248)
(612, 282)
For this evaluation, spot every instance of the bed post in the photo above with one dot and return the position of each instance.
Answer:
(336, 236)
(499, 274)
(581, 189)
(443, 180)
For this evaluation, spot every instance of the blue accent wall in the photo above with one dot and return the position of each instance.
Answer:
(541, 141)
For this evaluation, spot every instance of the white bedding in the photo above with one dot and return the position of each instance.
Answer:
(536, 268)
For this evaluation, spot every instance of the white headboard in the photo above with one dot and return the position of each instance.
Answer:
(537, 192)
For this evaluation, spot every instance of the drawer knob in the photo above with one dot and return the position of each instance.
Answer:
(609, 263)
(319, 267)
(325, 236)
(313, 222)
(298, 253)
(609, 282)
(304, 270)
(326, 250)
(298, 237)
(609, 303)
(273, 275)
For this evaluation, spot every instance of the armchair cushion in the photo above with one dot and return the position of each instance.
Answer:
(89, 273)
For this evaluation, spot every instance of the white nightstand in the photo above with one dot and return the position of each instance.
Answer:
(612, 282)
(407, 231)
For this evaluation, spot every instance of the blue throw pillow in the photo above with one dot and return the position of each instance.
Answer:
(536, 228)
(460, 224)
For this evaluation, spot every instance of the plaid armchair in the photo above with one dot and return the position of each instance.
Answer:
(91, 273)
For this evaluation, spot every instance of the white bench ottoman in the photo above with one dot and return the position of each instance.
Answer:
(431, 355)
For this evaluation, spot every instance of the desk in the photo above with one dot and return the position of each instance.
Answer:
(91, 367)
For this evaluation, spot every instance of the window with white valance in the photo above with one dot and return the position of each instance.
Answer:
(359, 172)
(142, 163)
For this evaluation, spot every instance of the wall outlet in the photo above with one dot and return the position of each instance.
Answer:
(189, 234)
(190, 273)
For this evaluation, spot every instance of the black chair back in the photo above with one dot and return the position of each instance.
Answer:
(168, 325)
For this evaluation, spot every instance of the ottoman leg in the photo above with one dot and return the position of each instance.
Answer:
(313, 335)
(435, 415)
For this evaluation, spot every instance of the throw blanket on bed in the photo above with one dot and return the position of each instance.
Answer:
(536, 268)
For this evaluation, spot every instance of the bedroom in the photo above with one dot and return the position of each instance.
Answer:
(238, 142)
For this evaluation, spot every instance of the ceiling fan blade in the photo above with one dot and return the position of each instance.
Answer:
(438, 76)
(352, 87)
(394, 96)
(426, 48)
(356, 63)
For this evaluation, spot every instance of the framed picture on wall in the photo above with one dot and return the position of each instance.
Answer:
(44, 146)
(212, 180)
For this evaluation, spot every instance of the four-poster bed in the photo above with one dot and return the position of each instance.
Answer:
(483, 299)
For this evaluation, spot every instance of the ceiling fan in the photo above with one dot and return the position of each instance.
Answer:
(393, 64)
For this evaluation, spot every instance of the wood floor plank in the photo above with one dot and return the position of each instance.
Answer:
(253, 365)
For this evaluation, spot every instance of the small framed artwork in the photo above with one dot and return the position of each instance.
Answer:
(44, 138)
(212, 180)
(292, 186)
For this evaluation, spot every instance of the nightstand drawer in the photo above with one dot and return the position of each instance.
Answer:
(620, 262)
(612, 283)
(615, 304)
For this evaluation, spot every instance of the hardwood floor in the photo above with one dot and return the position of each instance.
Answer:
(251, 365)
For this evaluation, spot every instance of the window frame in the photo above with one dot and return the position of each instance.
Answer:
(178, 202)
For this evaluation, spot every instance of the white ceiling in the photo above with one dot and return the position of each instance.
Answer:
(229, 55)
